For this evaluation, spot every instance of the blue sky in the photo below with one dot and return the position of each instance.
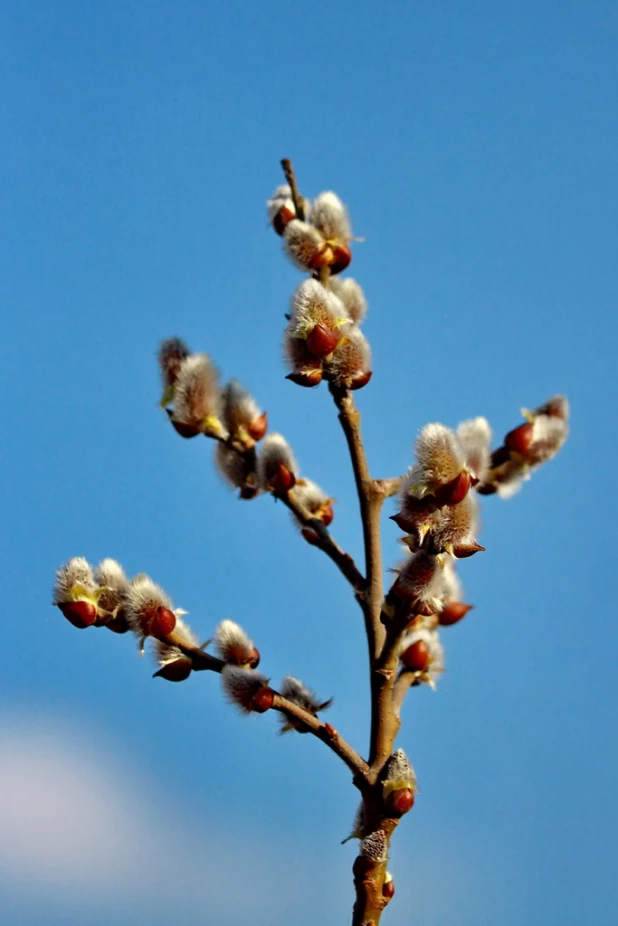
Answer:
(475, 144)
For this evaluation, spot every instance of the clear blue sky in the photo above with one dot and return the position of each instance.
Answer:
(475, 144)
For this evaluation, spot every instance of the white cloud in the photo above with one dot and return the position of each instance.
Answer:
(63, 816)
(80, 831)
(75, 828)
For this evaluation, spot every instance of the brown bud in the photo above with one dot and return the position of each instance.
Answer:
(306, 378)
(185, 430)
(254, 659)
(330, 730)
(403, 522)
(262, 700)
(500, 456)
(322, 341)
(162, 623)
(118, 624)
(454, 491)
(388, 889)
(282, 480)
(361, 380)
(453, 612)
(323, 258)
(310, 536)
(327, 515)
(399, 802)
(399, 589)
(282, 218)
(464, 550)
(416, 656)
(519, 439)
(176, 671)
(342, 257)
(258, 427)
(81, 614)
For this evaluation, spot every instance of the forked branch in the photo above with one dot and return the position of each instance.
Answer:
(437, 511)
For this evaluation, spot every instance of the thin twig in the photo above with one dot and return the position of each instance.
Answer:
(205, 662)
(404, 681)
(388, 487)
(201, 661)
(324, 732)
(297, 199)
(325, 542)
(370, 500)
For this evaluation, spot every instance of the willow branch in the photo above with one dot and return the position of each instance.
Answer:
(201, 661)
(396, 615)
(385, 722)
(370, 875)
(388, 487)
(297, 199)
(326, 733)
(405, 680)
(370, 497)
(325, 542)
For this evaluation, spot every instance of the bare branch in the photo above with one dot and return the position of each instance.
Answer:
(370, 500)
(202, 661)
(326, 733)
(404, 681)
(297, 199)
(371, 495)
(370, 873)
(385, 722)
(325, 542)
(388, 487)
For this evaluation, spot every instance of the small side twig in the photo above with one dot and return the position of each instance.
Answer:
(404, 681)
(325, 542)
(324, 731)
(388, 487)
(327, 734)
(297, 199)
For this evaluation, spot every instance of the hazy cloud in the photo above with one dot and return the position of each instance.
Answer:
(75, 828)
(81, 832)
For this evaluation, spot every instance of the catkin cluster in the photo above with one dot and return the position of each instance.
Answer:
(323, 338)
(106, 597)
(439, 512)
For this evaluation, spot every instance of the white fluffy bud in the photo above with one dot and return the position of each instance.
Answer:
(246, 689)
(351, 295)
(313, 304)
(197, 397)
(293, 690)
(439, 454)
(234, 646)
(330, 217)
(475, 439)
(276, 466)
(305, 246)
(74, 579)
